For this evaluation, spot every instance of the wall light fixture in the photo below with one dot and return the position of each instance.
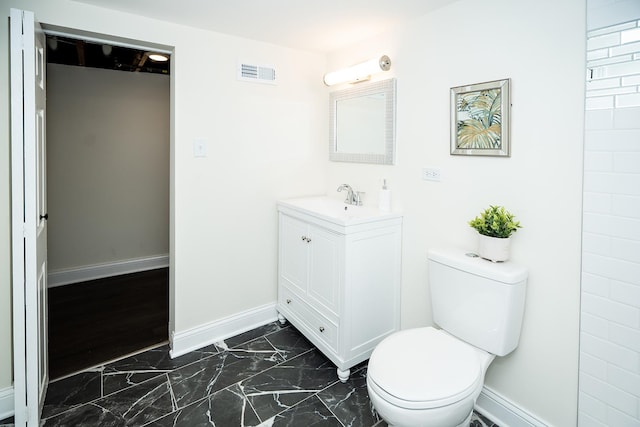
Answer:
(359, 72)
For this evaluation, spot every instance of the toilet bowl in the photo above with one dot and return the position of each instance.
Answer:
(425, 377)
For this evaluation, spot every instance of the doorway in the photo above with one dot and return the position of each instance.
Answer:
(108, 197)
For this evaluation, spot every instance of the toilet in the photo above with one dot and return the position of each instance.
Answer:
(432, 377)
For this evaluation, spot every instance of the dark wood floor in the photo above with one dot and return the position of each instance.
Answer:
(97, 321)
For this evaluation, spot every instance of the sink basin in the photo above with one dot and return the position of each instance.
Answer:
(335, 210)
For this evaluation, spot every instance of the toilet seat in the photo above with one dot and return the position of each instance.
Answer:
(424, 368)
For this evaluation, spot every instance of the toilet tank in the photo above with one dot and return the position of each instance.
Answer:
(476, 300)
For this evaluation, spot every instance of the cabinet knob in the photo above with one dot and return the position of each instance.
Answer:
(288, 301)
(308, 240)
(321, 328)
(304, 238)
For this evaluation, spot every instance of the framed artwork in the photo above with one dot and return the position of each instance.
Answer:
(480, 119)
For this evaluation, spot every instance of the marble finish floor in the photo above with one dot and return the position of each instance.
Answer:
(270, 376)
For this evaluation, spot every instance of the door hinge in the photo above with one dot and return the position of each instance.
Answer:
(24, 229)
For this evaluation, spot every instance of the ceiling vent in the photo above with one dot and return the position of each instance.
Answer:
(256, 73)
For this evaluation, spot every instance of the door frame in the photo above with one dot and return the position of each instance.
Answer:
(17, 228)
(17, 205)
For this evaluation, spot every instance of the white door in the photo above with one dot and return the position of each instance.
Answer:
(29, 216)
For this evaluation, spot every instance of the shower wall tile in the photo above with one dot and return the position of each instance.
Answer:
(612, 140)
(627, 162)
(628, 100)
(606, 40)
(593, 366)
(600, 103)
(599, 119)
(630, 35)
(594, 408)
(596, 285)
(627, 118)
(610, 304)
(597, 202)
(595, 325)
(609, 352)
(630, 81)
(630, 338)
(613, 311)
(617, 418)
(625, 292)
(599, 161)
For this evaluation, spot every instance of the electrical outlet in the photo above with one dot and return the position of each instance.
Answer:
(431, 174)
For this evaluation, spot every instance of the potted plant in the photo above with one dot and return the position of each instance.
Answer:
(495, 226)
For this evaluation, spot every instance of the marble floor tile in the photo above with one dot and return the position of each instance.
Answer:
(258, 332)
(350, 401)
(200, 379)
(479, 420)
(270, 376)
(226, 407)
(289, 342)
(73, 391)
(141, 367)
(287, 384)
(135, 405)
(308, 413)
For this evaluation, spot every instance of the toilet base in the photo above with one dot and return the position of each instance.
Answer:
(465, 423)
(455, 415)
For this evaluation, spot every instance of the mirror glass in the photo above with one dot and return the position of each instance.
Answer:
(363, 123)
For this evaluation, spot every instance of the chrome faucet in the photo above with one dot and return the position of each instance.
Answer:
(353, 197)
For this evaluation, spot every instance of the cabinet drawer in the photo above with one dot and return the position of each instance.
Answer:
(319, 325)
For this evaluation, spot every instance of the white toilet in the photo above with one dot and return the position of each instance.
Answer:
(432, 377)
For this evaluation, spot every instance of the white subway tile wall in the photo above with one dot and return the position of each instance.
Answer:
(610, 319)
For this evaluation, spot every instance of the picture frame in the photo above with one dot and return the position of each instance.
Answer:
(480, 119)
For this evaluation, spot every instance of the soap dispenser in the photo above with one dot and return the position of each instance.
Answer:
(384, 198)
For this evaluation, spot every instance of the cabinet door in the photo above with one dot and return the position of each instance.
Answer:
(294, 252)
(324, 268)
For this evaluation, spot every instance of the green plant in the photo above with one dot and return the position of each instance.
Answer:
(495, 221)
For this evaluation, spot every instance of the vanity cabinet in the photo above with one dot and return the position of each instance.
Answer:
(339, 278)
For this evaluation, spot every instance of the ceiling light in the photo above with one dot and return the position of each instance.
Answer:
(359, 72)
(158, 57)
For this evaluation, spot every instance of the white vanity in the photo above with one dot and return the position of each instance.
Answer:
(339, 276)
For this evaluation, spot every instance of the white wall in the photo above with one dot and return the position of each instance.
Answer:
(543, 54)
(108, 166)
(270, 142)
(610, 318)
(265, 143)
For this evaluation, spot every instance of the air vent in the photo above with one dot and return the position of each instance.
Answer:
(256, 73)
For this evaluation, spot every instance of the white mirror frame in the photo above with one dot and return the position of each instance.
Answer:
(388, 87)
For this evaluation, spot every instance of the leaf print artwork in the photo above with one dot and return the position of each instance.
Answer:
(480, 115)
(479, 119)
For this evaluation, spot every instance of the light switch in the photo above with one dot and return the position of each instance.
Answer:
(200, 147)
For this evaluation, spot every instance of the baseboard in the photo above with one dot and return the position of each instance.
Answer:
(201, 336)
(98, 271)
(504, 413)
(6, 403)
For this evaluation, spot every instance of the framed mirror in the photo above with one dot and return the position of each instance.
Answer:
(362, 123)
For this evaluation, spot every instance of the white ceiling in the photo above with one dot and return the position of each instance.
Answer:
(318, 25)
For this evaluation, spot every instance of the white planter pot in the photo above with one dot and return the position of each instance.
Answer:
(493, 248)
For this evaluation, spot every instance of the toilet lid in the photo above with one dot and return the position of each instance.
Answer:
(424, 367)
